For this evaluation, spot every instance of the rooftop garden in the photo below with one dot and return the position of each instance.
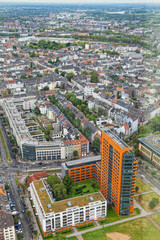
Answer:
(68, 189)
(83, 188)
(70, 193)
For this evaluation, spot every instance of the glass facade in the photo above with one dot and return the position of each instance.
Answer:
(126, 183)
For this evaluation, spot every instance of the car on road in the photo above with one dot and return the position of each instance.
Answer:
(22, 210)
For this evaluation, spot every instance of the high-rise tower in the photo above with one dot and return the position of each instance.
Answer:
(118, 173)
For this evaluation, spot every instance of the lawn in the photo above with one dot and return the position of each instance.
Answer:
(2, 139)
(113, 217)
(145, 199)
(142, 186)
(138, 229)
(8, 157)
(156, 218)
(85, 226)
(73, 238)
(90, 186)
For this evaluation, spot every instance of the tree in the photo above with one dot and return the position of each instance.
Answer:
(75, 153)
(19, 236)
(154, 124)
(46, 88)
(153, 203)
(9, 91)
(69, 76)
(94, 77)
(31, 65)
(139, 162)
(100, 111)
(28, 213)
(63, 74)
(7, 187)
(57, 60)
(137, 188)
(96, 144)
(144, 129)
(35, 232)
(59, 191)
(137, 152)
(37, 111)
(87, 132)
(146, 167)
(56, 70)
(53, 180)
(15, 150)
(153, 172)
(85, 72)
(15, 220)
(68, 183)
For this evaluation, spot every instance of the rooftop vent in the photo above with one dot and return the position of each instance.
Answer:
(91, 198)
(69, 204)
(49, 206)
(43, 189)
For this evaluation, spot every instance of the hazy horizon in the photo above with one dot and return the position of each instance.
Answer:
(83, 1)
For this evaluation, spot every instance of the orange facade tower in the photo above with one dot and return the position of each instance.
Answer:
(118, 173)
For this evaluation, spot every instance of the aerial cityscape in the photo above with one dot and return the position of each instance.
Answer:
(79, 120)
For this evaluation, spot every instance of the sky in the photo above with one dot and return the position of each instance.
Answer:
(81, 1)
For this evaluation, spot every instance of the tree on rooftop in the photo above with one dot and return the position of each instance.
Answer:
(96, 144)
(68, 183)
(53, 180)
(59, 191)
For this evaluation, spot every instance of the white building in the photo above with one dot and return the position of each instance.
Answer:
(54, 216)
(43, 109)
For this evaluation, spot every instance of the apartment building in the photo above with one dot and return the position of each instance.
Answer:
(32, 143)
(115, 171)
(7, 230)
(150, 149)
(60, 215)
(83, 169)
(118, 173)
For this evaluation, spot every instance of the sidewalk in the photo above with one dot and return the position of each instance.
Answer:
(28, 204)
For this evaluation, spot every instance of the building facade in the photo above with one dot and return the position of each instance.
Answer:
(118, 173)
(115, 171)
(57, 216)
(150, 149)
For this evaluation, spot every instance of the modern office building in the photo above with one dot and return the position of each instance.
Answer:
(60, 215)
(115, 171)
(150, 149)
